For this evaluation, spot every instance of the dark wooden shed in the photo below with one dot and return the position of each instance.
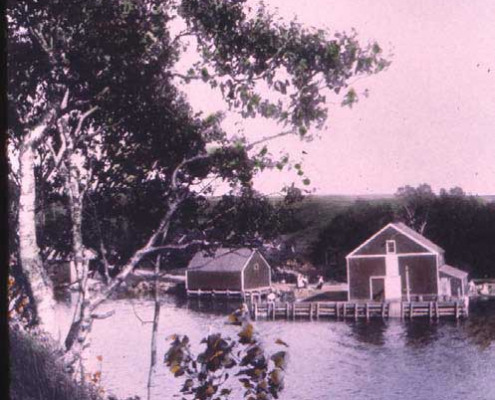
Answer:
(228, 271)
(454, 280)
(398, 263)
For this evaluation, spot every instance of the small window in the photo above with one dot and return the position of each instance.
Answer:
(256, 267)
(390, 246)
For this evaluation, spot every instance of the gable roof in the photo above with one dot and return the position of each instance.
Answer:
(223, 260)
(453, 271)
(405, 230)
(417, 237)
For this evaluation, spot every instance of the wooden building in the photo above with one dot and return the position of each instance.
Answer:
(228, 271)
(398, 263)
(484, 287)
(62, 268)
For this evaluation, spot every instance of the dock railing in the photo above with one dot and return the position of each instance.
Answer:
(356, 310)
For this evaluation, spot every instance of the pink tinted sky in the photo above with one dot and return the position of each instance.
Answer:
(430, 117)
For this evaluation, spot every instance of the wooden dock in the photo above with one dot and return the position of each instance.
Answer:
(250, 296)
(348, 310)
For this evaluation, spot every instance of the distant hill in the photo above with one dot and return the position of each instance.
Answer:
(316, 211)
(489, 198)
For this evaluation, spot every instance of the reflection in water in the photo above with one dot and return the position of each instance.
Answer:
(420, 332)
(376, 360)
(371, 332)
(480, 327)
(219, 307)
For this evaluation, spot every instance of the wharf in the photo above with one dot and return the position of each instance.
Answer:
(348, 310)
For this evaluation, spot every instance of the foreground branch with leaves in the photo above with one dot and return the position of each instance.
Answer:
(207, 375)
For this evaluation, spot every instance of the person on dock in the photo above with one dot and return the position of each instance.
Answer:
(320, 282)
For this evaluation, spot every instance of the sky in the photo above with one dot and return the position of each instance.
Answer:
(429, 118)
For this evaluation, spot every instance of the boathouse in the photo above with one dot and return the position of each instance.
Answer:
(398, 263)
(228, 271)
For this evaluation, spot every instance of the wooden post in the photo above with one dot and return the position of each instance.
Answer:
(337, 310)
(255, 306)
(273, 311)
(367, 310)
(294, 311)
(401, 310)
(411, 310)
(311, 311)
(430, 310)
(383, 310)
(408, 288)
(436, 310)
(456, 310)
(287, 310)
(344, 310)
(355, 311)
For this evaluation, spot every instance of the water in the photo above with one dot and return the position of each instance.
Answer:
(361, 360)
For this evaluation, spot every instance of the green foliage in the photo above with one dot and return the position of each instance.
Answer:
(260, 376)
(145, 148)
(297, 64)
(415, 205)
(36, 372)
(346, 231)
(463, 225)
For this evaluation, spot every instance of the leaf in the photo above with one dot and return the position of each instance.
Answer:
(281, 342)
(232, 318)
(246, 335)
(174, 368)
(279, 359)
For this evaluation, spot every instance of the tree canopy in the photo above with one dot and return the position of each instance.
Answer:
(459, 223)
(97, 117)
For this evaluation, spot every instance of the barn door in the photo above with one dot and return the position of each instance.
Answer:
(377, 289)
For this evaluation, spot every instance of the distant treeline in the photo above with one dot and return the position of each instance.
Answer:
(463, 225)
(319, 230)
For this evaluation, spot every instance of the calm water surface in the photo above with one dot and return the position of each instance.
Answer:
(328, 359)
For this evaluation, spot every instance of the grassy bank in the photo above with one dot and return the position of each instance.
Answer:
(35, 373)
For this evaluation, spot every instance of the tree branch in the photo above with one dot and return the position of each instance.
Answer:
(183, 164)
(80, 123)
(180, 35)
(37, 133)
(106, 315)
(268, 138)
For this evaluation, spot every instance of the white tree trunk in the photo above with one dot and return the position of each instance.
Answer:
(77, 340)
(32, 266)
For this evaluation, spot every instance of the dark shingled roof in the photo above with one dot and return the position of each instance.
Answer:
(223, 260)
(418, 237)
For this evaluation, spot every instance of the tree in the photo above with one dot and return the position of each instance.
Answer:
(415, 204)
(61, 65)
(463, 226)
(347, 231)
(96, 87)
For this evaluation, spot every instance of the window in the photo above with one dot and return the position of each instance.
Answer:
(390, 246)
(256, 267)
